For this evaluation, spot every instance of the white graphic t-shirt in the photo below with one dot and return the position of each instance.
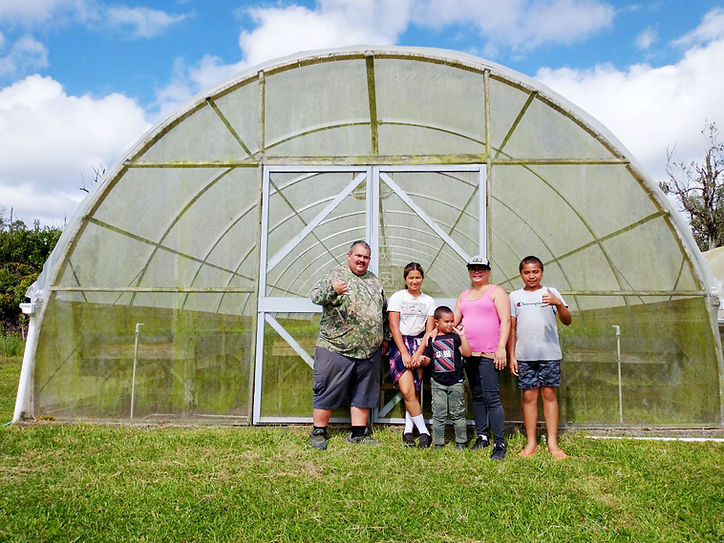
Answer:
(413, 311)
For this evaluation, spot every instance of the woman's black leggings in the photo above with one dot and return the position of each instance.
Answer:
(484, 381)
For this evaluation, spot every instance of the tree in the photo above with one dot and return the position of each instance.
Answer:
(23, 252)
(699, 189)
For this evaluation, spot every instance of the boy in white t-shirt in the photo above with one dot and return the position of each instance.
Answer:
(535, 352)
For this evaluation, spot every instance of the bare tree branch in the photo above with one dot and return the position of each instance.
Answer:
(98, 172)
(699, 189)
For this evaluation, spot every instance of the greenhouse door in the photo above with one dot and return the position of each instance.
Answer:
(310, 215)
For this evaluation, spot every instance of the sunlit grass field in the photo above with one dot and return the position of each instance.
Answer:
(61, 482)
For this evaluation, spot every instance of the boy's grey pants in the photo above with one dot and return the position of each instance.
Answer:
(448, 400)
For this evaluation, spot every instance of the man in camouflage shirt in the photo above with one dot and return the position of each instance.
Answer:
(349, 346)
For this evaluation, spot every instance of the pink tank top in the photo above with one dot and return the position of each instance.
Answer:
(481, 321)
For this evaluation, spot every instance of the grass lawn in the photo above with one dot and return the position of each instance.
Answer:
(62, 482)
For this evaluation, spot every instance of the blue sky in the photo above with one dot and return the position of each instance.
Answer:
(82, 80)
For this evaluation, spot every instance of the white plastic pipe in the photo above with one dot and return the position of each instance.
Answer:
(135, 360)
(23, 401)
(658, 438)
(618, 362)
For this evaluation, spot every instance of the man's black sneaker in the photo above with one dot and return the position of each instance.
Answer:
(364, 439)
(461, 446)
(318, 439)
(408, 439)
(498, 452)
(425, 441)
(438, 447)
(481, 442)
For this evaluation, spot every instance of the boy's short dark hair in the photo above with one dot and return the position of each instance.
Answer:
(442, 310)
(530, 259)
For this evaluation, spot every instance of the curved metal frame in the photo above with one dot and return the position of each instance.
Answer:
(253, 155)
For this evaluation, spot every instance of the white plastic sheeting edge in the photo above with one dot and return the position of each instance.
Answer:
(658, 438)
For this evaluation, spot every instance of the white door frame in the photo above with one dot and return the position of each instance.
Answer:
(373, 175)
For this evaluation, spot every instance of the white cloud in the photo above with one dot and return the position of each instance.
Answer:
(141, 22)
(646, 39)
(52, 141)
(283, 31)
(136, 23)
(29, 13)
(211, 71)
(519, 24)
(648, 108)
(25, 54)
(712, 27)
(187, 81)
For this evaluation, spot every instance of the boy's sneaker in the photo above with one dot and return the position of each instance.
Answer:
(408, 439)
(364, 439)
(481, 442)
(318, 439)
(498, 452)
(461, 446)
(425, 441)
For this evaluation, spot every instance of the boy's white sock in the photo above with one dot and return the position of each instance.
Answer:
(408, 423)
(419, 421)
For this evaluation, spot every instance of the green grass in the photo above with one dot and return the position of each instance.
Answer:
(11, 345)
(9, 376)
(62, 482)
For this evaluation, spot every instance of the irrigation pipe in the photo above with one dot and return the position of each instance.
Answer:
(618, 364)
(654, 438)
(135, 360)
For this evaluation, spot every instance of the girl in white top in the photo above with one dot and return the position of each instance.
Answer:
(411, 315)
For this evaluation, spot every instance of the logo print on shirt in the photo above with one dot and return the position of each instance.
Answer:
(444, 350)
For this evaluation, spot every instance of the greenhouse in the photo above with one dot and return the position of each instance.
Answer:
(179, 291)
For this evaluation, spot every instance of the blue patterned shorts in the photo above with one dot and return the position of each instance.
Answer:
(539, 373)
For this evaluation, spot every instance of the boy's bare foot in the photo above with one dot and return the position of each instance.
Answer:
(558, 454)
(527, 452)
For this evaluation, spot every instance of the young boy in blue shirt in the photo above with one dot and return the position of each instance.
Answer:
(535, 352)
(444, 346)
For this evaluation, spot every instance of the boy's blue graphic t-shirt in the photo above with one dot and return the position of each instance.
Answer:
(446, 364)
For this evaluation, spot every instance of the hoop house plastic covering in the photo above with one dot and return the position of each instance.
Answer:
(180, 288)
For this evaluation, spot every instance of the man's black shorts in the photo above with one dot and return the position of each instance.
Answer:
(340, 381)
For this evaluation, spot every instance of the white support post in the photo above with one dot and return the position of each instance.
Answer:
(24, 401)
(373, 218)
(618, 364)
(135, 362)
(260, 320)
(483, 212)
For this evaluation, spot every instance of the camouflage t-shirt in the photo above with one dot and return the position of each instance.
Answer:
(353, 324)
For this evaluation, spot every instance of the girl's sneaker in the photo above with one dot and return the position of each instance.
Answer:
(425, 441)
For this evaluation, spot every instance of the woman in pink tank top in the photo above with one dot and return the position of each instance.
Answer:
(484, 310)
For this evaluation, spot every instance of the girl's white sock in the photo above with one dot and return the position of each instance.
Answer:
(419, 421)
(408, 423)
